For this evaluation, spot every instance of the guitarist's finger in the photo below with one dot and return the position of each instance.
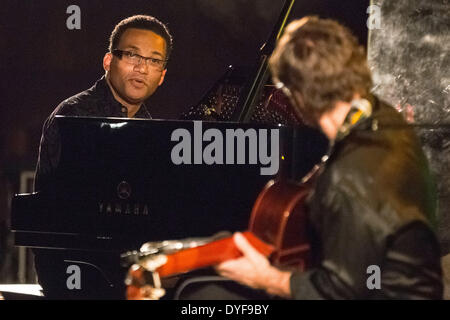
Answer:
(246, 248)
(228, 268)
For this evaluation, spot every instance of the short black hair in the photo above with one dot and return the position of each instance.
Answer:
(141, 22)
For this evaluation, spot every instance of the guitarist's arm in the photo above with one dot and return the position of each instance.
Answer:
(254, 270)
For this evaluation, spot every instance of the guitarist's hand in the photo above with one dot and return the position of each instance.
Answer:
(255, 270)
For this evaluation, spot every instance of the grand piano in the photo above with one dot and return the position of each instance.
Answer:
(117, 186)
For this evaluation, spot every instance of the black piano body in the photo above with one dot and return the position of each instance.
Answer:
(116, 185)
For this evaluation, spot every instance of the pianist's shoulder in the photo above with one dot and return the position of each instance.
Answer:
(96, 101)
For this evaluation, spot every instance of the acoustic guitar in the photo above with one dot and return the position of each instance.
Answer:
(277, 229)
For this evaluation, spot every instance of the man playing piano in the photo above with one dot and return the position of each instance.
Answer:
(373, 205)
(135, 65)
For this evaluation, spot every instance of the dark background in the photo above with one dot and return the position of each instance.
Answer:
(42, 62)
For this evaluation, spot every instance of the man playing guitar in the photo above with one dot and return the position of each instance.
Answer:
(373, 204)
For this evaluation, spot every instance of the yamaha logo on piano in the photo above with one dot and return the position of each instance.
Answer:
(116, 208)
(120, 208)
(124, 190)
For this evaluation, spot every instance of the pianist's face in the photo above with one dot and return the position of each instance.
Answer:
(134, 83)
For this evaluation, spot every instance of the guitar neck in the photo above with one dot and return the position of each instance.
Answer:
(210, 254)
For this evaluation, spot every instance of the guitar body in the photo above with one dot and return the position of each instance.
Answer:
(277, 229)
(279, 218)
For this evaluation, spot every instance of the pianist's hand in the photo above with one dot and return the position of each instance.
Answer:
(255, 270)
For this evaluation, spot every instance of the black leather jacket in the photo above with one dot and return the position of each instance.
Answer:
(373, 205)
